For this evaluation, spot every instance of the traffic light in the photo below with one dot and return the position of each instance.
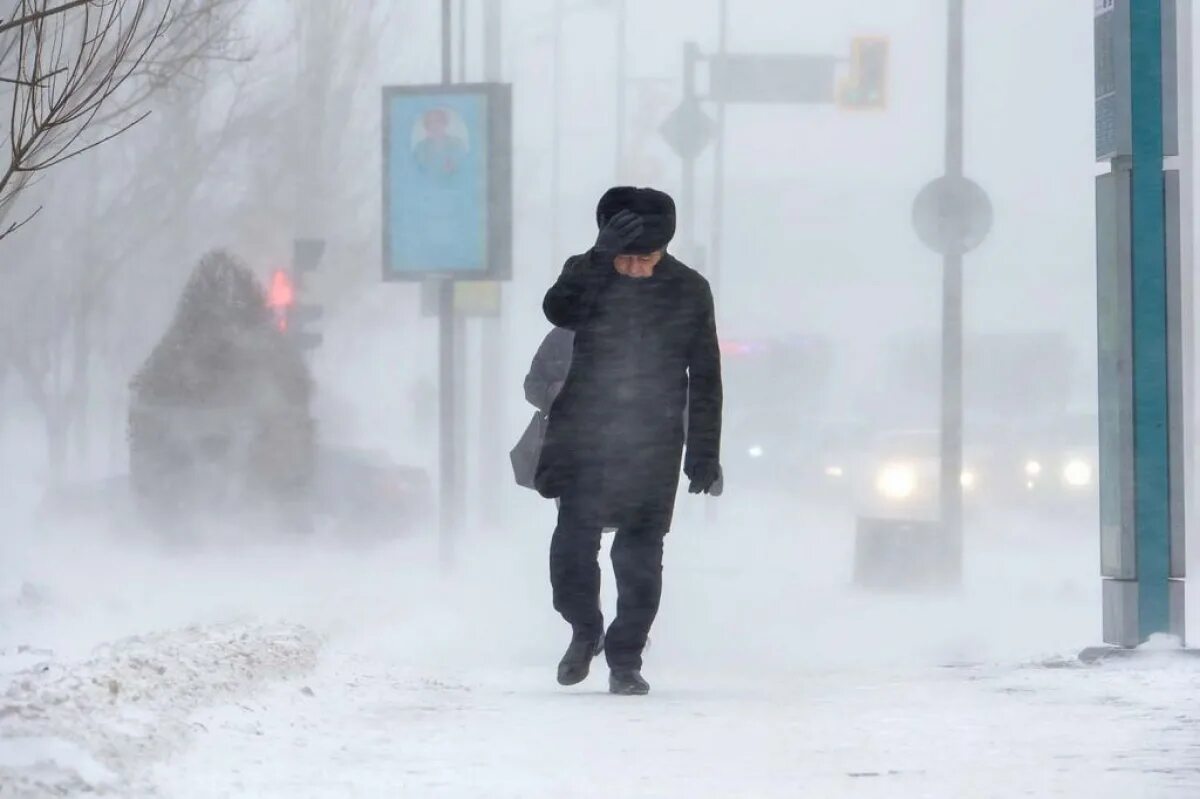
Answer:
(306, 257)
(865, 87)
(293, 317)
(281, 296)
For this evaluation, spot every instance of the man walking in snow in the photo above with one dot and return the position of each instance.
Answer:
(645, 350)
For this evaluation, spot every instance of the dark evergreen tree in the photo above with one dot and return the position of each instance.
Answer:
(220, 415)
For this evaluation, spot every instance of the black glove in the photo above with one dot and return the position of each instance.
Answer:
(618, 233)
(706, 478)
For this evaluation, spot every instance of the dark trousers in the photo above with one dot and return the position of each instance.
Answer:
(637, 555)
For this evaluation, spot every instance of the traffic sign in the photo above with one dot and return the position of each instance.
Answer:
(472, 298)
(952, 215)
(477, 298)
(306, 254)
(865, 86)
(286, 291)
(688, 130)
(786, 78)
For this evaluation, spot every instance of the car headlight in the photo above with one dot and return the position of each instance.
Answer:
(1078, 473)
(897, 481)
(835, 472)
(755, 452)
(1033, 468)
(968, 480)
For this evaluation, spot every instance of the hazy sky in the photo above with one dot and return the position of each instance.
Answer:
(819, 199)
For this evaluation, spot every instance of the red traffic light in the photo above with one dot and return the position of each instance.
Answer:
(281, 293)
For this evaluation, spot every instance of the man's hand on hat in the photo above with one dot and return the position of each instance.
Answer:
(618, 233)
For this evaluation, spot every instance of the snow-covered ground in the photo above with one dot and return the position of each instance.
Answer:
(314, 670)
(94, 725)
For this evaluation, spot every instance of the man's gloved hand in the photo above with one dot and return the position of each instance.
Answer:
(706, 478)
(618, 233)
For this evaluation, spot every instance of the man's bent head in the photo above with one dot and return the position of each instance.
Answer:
(638, 265)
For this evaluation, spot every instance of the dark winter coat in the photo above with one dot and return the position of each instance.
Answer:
(548, 371)
(645, 350)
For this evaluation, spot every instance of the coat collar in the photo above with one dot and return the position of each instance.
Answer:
(668, 268)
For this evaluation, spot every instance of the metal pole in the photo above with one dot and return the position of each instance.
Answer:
(622, 87)
(462, 518)
(1186, 300)
(492, 344)
(462, 357)
(556, 143)
(493, 37)
(713, 261)
(718, 213)
(952, 314)
(313, 84)
(447, 423)
(447, 76)
(462, 41)
(448, 457)
(691, 53)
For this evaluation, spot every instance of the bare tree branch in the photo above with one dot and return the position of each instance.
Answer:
(198, 33)
(38, 85)
(42, 14)
(69, 67)
(80, 79)
(15, 226)
(73, 153)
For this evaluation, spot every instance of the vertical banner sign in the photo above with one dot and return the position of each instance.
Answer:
(1138, 321)
(447, 187)
(1118, 553)
(1111, 49)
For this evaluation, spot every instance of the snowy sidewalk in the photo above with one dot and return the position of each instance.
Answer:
(772, 677)
(365, 726)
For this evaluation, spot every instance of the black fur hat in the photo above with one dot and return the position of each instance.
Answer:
(656, 209)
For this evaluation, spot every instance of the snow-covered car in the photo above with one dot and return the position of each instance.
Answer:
(364, 491)
(359, 493)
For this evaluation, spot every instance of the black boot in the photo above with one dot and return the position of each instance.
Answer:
(627, 682)
(577, 660)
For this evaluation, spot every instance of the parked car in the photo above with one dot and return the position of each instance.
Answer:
(356, 493)
(364, 491)
(795, 455)
(1046, 467)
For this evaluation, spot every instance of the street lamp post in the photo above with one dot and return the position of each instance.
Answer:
(447, 390)
(952, 313)
(718, 214)
(622, 85)
(556, 133)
